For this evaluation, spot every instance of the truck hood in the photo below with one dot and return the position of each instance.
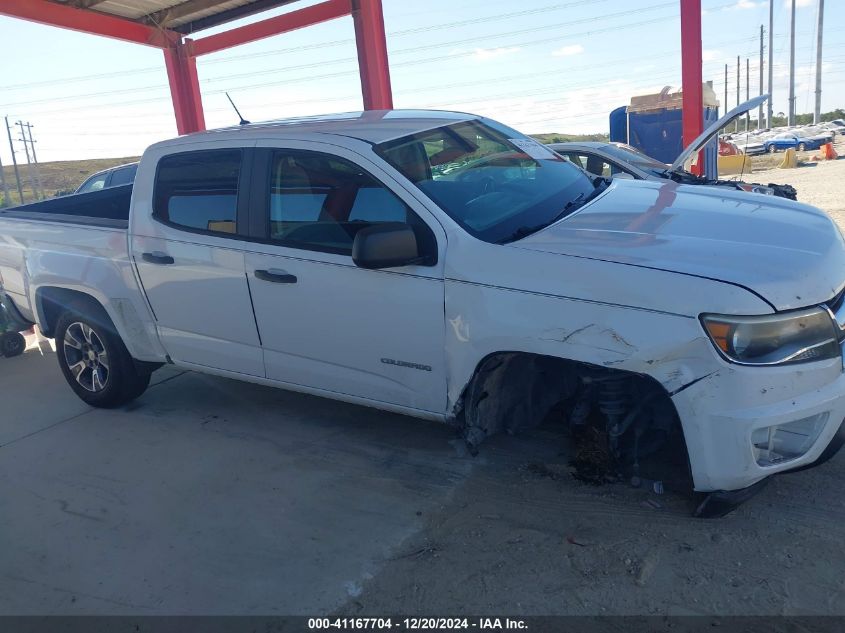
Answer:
(790, 254)
(713, 129)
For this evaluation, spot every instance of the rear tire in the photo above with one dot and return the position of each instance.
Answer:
(802, 147)
(12, 344)
(94, 360)
(772, 149)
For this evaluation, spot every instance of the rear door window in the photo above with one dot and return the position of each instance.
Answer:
(199, 190)
(123, 176)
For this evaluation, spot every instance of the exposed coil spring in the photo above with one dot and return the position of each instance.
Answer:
(614, 397)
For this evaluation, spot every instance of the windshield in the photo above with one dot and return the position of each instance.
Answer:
(494, 182)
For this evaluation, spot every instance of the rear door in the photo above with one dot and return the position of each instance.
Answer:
(187, 243)
(324, 322)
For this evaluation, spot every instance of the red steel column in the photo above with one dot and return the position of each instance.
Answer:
(184, 88)
(693, 93)
(373, 65)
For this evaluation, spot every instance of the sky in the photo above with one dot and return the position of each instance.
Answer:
(536, 65)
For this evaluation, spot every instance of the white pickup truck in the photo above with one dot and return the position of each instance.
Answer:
(447, 267)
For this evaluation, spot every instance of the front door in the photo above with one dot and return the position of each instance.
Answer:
(190, 260)
(324, 322)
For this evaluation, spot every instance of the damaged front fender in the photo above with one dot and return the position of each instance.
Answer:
(670, 348)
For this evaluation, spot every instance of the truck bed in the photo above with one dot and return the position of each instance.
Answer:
(76, 244)
(108, 207)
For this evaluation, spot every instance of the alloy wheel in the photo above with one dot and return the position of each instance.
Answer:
(86, 357)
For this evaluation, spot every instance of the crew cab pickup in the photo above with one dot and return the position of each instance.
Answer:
(447, 267)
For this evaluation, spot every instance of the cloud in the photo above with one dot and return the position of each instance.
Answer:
(583, 109)
(486, 54)
(747, 4)
(710, 55)
(567, 51)
(799, 3)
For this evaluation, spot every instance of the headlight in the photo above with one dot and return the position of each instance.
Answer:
(774, 339)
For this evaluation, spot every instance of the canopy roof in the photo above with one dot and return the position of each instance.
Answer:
(182, 16)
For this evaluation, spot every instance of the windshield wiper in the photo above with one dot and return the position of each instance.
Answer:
(523, 231)
(580, 200)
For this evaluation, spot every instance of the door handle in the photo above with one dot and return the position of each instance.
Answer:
(157, 257)
(275, 276)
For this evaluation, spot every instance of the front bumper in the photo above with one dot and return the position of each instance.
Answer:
(827, 454)
(718, 504)
(721, 412)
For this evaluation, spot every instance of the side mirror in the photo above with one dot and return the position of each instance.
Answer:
(385, 245)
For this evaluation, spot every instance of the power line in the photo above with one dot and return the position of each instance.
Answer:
(332, 43)
(416, 49)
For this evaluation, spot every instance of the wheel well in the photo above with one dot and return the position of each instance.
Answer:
(52, 302)
(633, 413)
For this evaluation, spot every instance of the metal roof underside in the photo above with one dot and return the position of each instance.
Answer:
(182, 16)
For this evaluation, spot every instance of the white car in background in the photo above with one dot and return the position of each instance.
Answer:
(617, 160)
(112, 177)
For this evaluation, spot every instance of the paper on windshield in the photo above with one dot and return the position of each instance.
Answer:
(534, 149)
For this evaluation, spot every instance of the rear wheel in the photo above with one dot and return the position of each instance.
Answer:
(12, 344)
(95, 362)
(772, 149)
(801, 147)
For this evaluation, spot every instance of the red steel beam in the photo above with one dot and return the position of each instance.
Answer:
(691, 73)
(373, 64)
(184, 88)
(323, 12)
(87, 21)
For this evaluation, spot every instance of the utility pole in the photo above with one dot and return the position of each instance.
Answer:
(726, 90)
(747, 92)
(28, 163)
(738, 75)
(29, 127)
(770, 107)
(817, 113)
(791, 119)
(14, 160)
(760, 109)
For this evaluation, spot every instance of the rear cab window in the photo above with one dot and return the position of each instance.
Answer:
(198, 190)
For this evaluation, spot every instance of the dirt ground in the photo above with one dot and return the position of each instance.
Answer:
(508, 541)
(819, 183)
(213, 496)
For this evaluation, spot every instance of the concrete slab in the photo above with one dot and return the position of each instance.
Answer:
(205, 496)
